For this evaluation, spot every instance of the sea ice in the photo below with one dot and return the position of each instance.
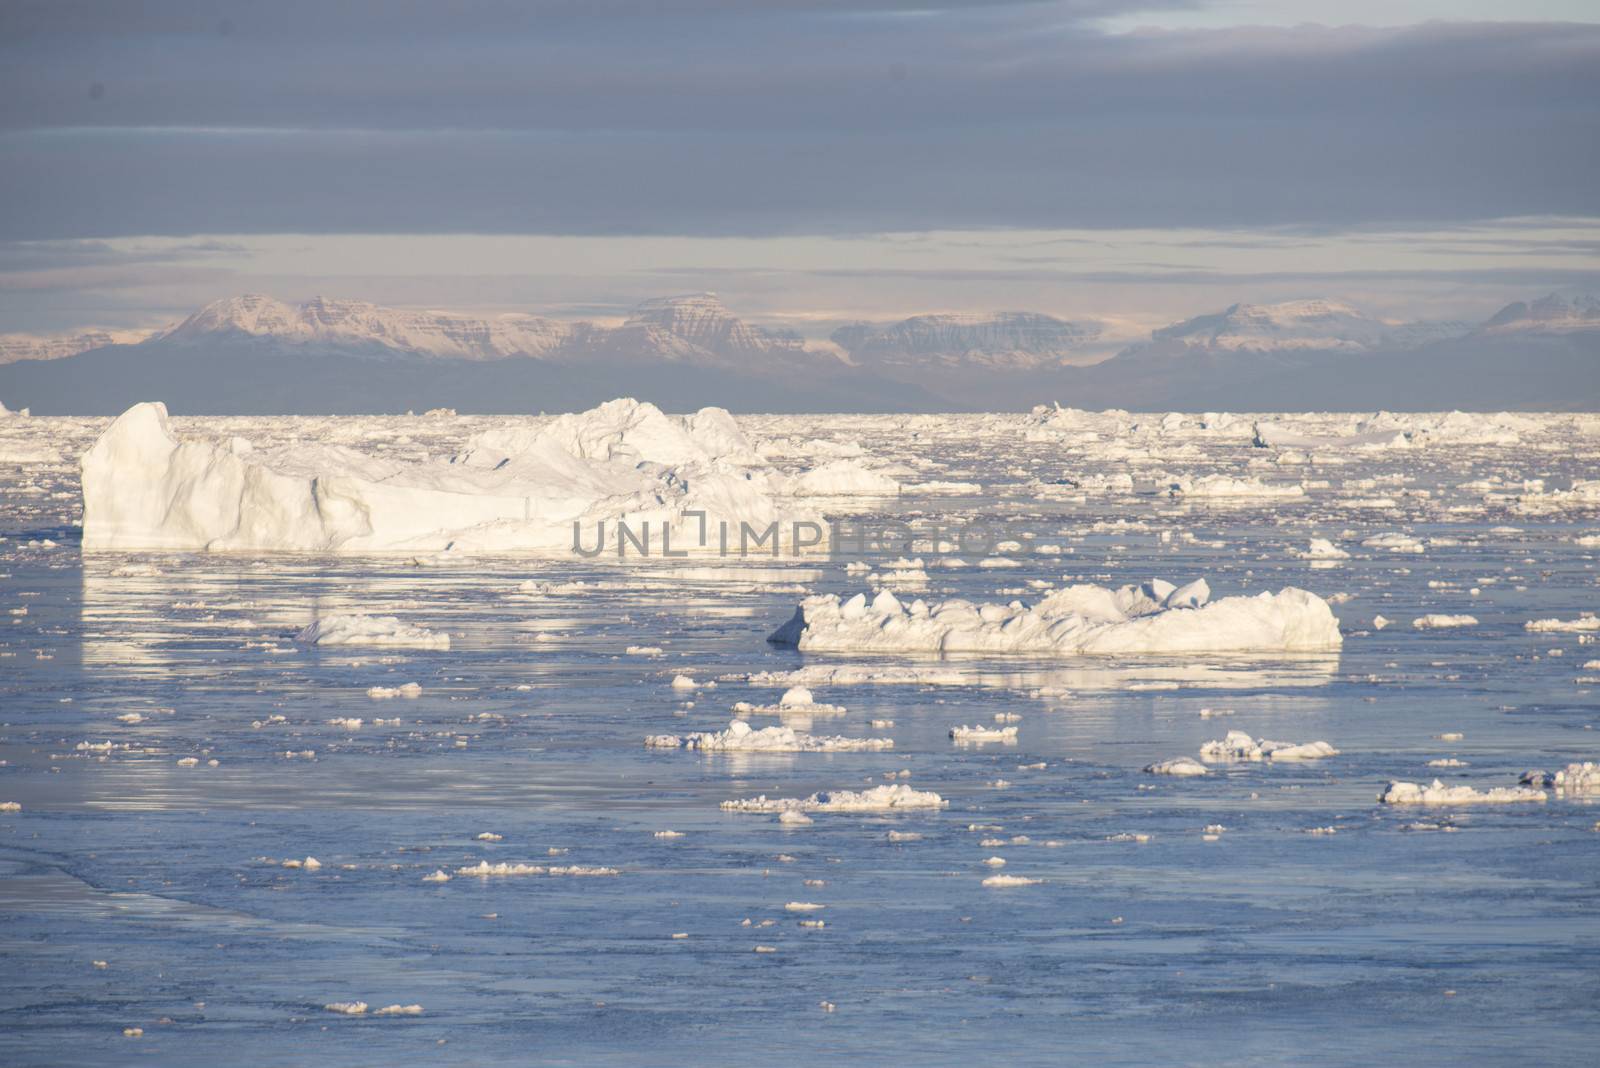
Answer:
(1155, 617)
(1240, 746)
(741, 737)
(967, 735)
(878, 799)
(355, 629)
(1439, 621)
(1437, 793)
(1182, 766)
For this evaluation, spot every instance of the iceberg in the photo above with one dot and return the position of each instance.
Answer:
(512, 489)
(1154, 617)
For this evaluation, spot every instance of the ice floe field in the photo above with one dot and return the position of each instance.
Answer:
(319, 744)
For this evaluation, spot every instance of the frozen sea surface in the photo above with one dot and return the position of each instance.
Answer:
(1195, 920)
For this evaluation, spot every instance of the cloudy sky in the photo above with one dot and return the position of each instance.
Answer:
(810, 160)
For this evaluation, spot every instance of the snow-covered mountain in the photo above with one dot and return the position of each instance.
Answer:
(15, 347)
(1023, 340)
(695, 329)
(1548, 314)
(357, 327)
(1320, 325)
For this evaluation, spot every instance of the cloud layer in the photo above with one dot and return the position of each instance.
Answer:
(807, 116)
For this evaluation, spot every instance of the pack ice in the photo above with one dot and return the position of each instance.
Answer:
(1154, 617)
(515, 488)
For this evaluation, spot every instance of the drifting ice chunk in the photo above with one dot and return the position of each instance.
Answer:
(1439, 621)
(1563, 626)
(1323, 549)
(844, 478)
(1182, 766)
(1574, 780)
(966, 735)
(740, 737)
(1070, 621)
(370, 630)
(878, 799)
(1437, 793)
(1240, 746)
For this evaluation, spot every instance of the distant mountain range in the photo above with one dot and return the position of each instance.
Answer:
(252, 354)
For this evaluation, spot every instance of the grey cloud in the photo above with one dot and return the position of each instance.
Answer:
(807, 116)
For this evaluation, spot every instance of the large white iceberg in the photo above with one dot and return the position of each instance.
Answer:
(1155, 617)
(519, 489)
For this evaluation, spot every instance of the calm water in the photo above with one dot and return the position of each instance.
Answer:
(1429, 935)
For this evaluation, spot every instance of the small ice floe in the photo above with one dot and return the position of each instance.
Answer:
(683, 682)
(438, 876)
(10, 806)
(898, 797)
(132, 1032)
(995, 862)
(356, 629)
(1449, 736)
(1213, 713)
(766, 949)
(1127, 837)
(741, 737)
(347, 1008)
(349, 723)
(484, 869)
(94, 747)
(643, 650)
(1322, 830)
(1379, 622)
(669, 834)
(1437, 793)
(299, 754)
(1574, 780)
(794, 818)
(1394, 543)
(1322, 549)
(965, 735)
(488, 836)
(1182, 766)
(1239, 746)
(905, 836)
(1441, 621)
(826, 1006)
(385, 693)
(308, 864)
(1582, 624)
(882, 724)
(130, 717)
(803, 906)
(995, 882)
(1448, 762)
(398, 1010)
